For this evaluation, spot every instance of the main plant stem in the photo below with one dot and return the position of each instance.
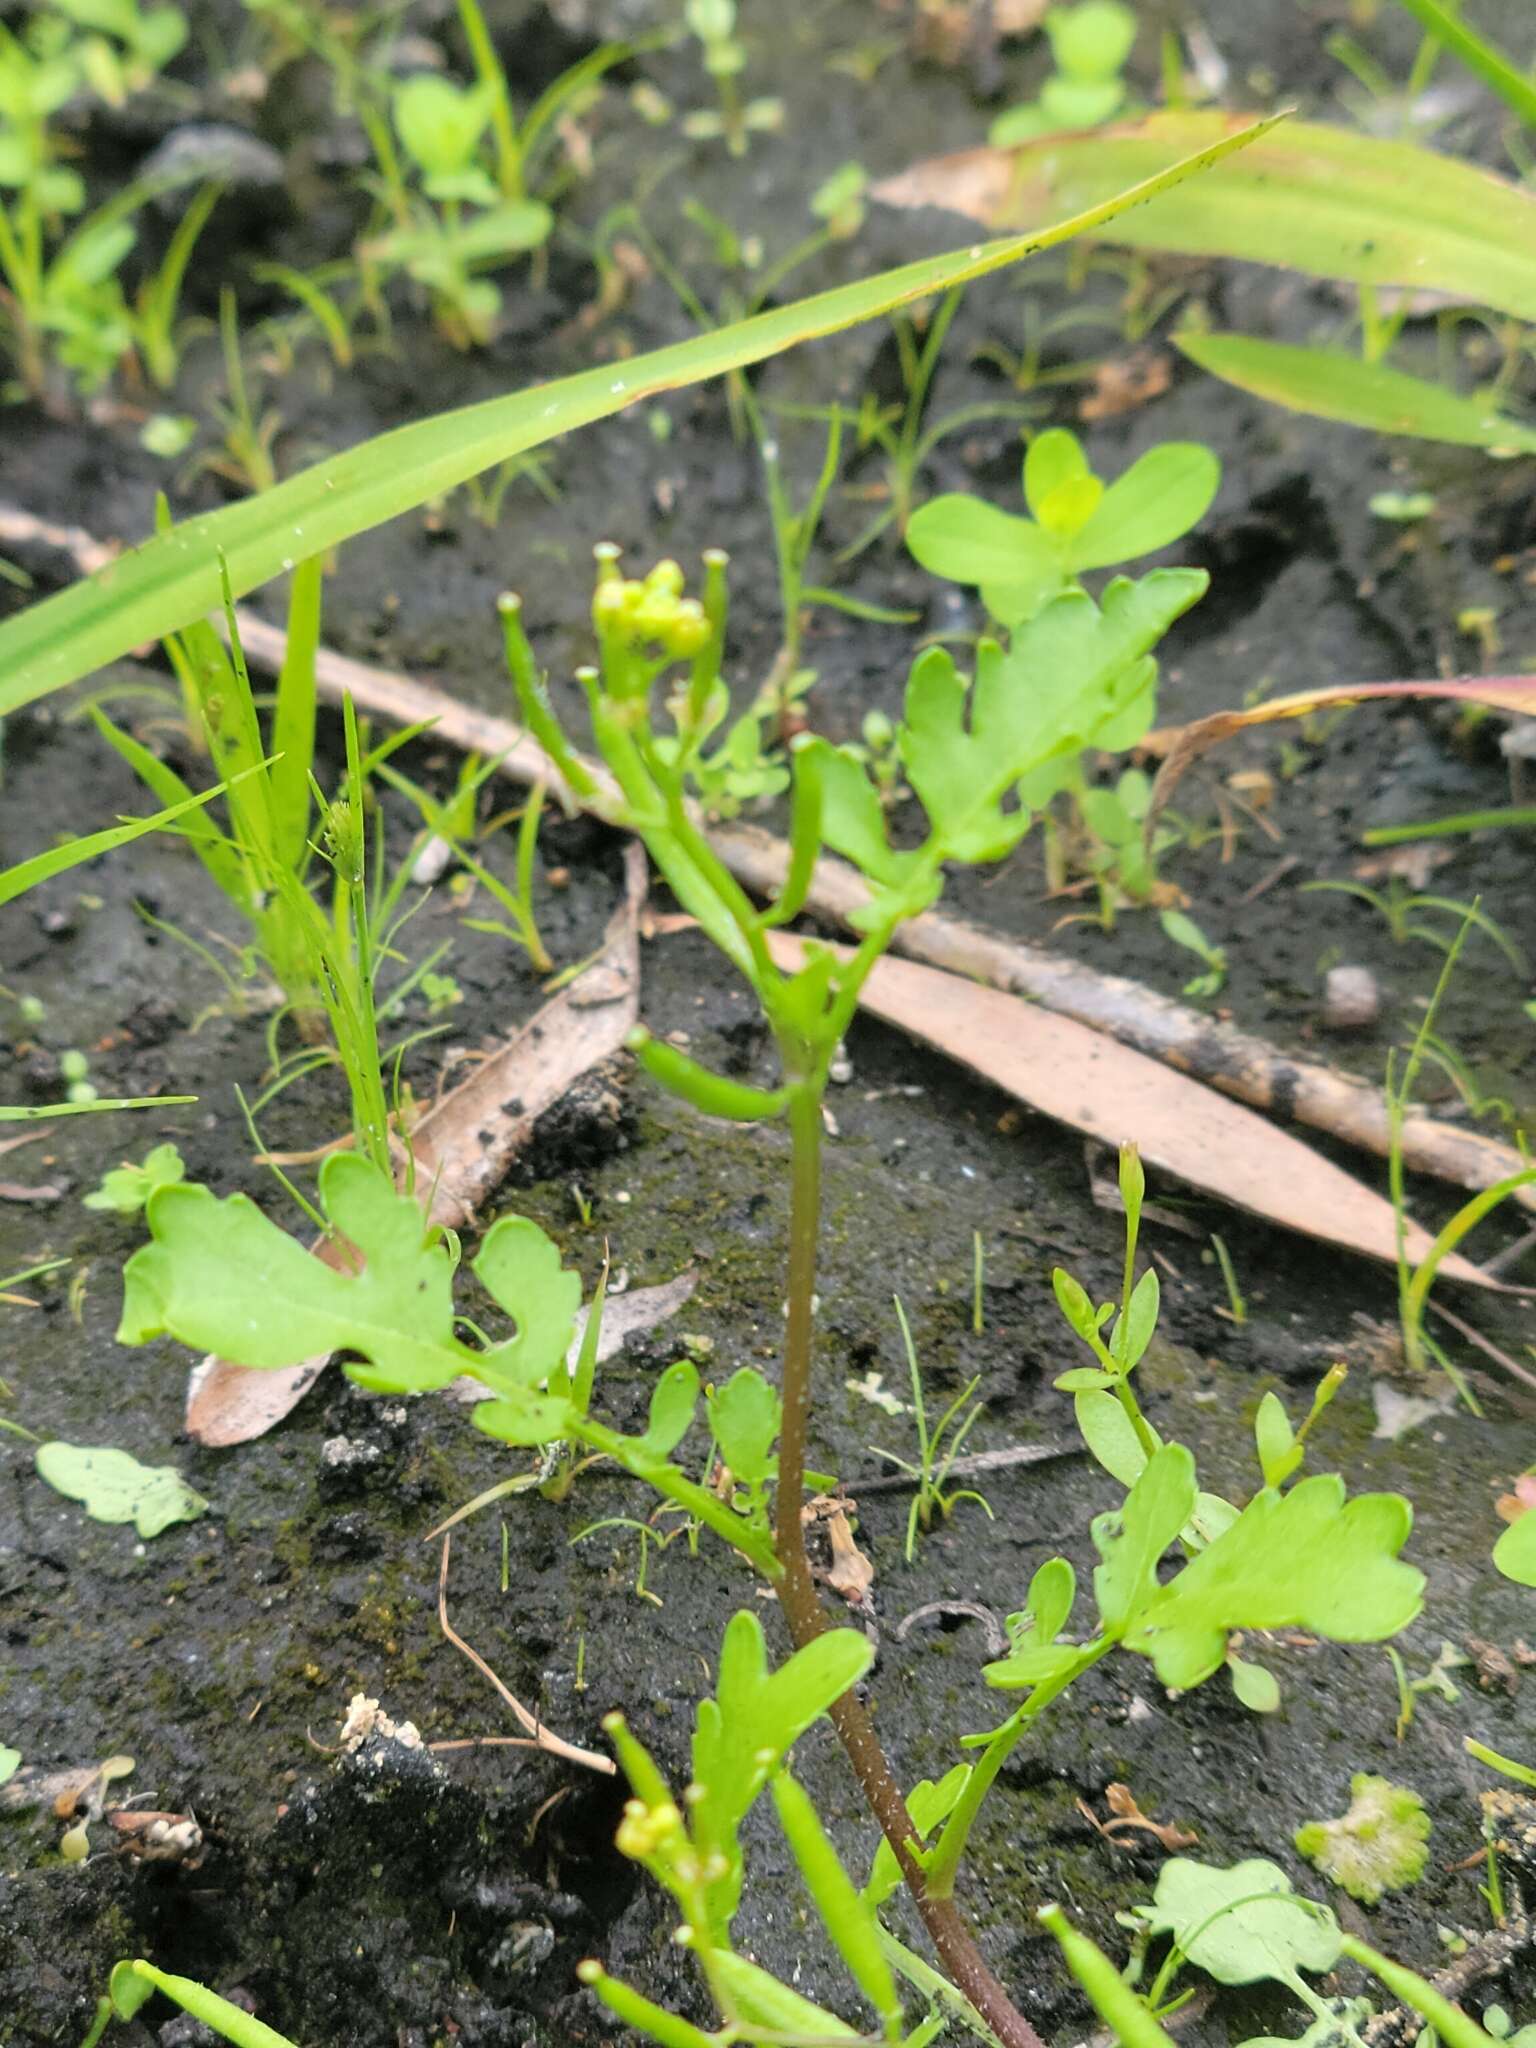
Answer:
(802, 1604)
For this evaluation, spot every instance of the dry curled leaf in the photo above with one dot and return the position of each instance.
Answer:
(1182, 745)
(1127, 1818)
(1127, 383)
(850, 1572)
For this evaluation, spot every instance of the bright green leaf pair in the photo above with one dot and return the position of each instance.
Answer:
(1077, 523)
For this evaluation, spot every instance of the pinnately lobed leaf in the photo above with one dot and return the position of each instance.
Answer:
(220, 1276)
(1304, 1559)
(1075, 675)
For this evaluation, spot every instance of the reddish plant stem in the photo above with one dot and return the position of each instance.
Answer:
(802, 1604)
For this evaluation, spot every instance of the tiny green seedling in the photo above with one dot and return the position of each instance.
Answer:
(1182, 929)
(1090, 43)
(125, 1189)
(463, 188)
(713, 23)
(453, 823)
(937, 1449)
(1237, 1306)
(64, 302)
(1077, 523)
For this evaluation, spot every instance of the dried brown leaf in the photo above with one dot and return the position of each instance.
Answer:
(1127, 383)
(1182, 745)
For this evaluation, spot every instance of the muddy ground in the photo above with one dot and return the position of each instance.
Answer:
(424, 1904)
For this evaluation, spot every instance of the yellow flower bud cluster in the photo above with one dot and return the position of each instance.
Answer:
(652, 612)
(645, 1829)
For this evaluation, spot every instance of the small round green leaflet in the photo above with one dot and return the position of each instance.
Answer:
(1244, 1924)
(10, 1762)
(1515, 1552)
(113, 1487)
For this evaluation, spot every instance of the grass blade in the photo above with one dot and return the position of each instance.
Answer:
(1308, 197)
(1479, 56)
(170, 581)
(27, 874)
(1334, 386)
(293, 722)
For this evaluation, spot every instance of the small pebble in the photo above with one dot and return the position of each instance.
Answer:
(1351, 999)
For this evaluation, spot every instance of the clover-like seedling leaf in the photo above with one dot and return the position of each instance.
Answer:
(114, 1487)
(966, 540)
(440, 124)
(125, 1189)
(1306, 1559)
(1243, 1924)
(10, 1762)
(1380, 1845)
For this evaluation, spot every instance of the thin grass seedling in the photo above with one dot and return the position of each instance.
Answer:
(246, 458)
(1237, 1307)
(1414, 1283)
(12, 1300)
(937, 1449)
(1518, 816)
(1399, 907)
(648, 1536)
(155, 327)
(453, 823)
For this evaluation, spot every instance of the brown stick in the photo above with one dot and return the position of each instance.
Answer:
(1233, 1061)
